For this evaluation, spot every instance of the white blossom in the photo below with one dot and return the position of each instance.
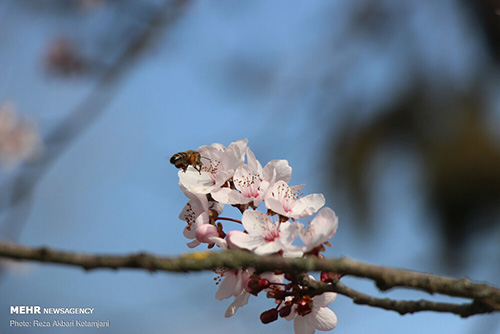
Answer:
(264, 236)
(251, 181)
(321, 229)
(196, 213)
(232, 286)
(285, 200)
(218, 166)
(320, 316)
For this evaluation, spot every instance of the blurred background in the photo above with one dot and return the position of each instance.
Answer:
(389, 108)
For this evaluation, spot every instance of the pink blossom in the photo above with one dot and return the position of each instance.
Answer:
(197, 213)
(320, 316)
(264, 236)
(219, 165)
(252, 181)
(321, 229)
(232, 285)
(285, 200)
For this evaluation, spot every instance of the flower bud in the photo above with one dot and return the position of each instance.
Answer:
(285, 311)
(329, 277)
(279, 294)
(205, 232)
(255, 284)
(269, 316)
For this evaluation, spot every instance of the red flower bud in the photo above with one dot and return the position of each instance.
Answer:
(255, 284)
(285, 311)
(329, 277)
(280, 294)
(269, 316)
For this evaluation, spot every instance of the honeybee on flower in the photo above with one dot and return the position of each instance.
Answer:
(183, 160)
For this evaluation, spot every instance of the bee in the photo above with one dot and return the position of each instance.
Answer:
(185, 159)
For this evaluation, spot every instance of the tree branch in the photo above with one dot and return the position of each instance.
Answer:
(485, 298)
(401, 306)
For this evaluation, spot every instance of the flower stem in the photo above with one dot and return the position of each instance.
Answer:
(229, 219)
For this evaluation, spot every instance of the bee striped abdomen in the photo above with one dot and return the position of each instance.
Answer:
(178, 157)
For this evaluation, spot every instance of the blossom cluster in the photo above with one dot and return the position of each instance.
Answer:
(233, 176)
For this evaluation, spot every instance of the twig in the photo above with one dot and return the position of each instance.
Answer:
(485, 298)
(401, 306)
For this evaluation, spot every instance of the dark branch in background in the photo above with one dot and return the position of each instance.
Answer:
(485, 298)
(18, 201)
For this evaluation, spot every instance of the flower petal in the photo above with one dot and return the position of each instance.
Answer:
(301, 326)
(255, 221)
(193, 243)
(322, 228)
(245, 241)
(238, 302)
(227, 286)
(253, 163)
(189, 232)
(219, 242)
(229, 196)
(196, 183)
(234, 155)
(289, 232)
(322, 319)
(277, 170)
(275, 205)
(307, 206)
(327, 222)
(324, 299)
(268, 248)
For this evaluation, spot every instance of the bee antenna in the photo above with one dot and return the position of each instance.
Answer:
(205, 158)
